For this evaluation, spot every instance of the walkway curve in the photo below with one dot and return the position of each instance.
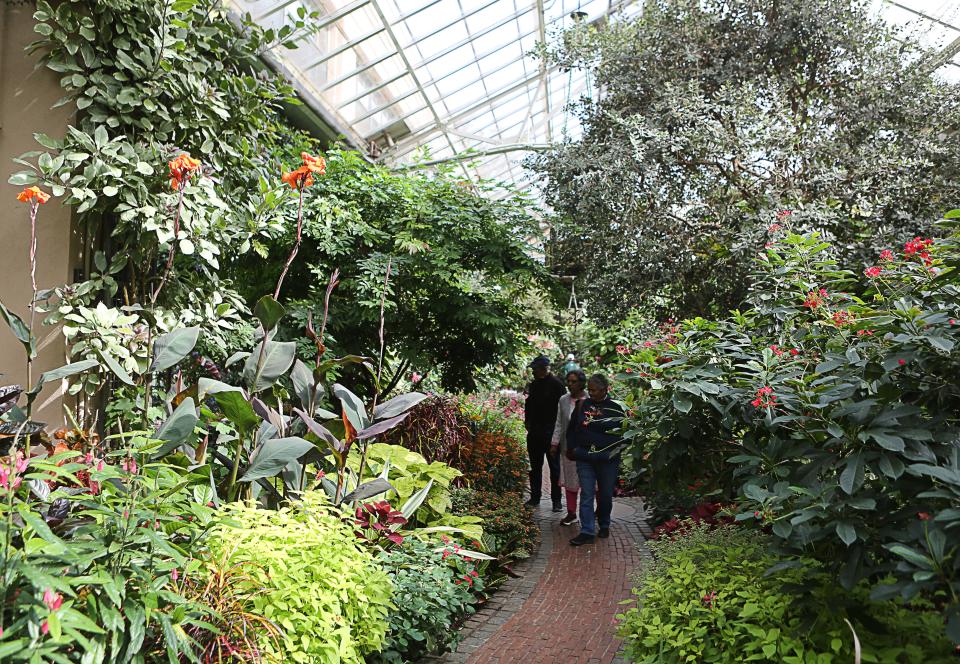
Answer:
(563, 606)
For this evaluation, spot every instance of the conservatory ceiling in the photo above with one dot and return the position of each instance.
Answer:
(428, 80)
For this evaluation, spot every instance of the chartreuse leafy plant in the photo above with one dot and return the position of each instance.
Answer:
(709, 598)
(312, 579)
(828, 411)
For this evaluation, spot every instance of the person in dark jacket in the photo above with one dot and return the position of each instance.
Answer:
(594, 441)
(539, 417)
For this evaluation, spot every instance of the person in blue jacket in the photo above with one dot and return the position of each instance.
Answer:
(595, 443)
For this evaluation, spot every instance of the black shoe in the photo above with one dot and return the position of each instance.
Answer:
(569, 520)
(533, 502)
(581, 539)
(604, 533)
(557, 507)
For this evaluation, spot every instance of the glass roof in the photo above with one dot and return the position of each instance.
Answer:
(441, 77)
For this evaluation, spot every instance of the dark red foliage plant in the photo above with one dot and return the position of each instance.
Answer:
(378, 521)
(436, 430)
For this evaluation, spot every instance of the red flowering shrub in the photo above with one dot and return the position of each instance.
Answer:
(834, 449)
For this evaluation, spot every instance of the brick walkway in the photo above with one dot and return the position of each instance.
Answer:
(562, 607)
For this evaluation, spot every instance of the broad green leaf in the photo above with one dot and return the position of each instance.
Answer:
(397, 405)
(63, 372)
(178, 427)
(270, 458)
(262, 369)
(172, 347)
(910, 555)
(20, 330)
(681, 402)
(847, 532)
(352, 406)
(413, 502)
(115, 367)
(852, 476)
(368, 490)
(269, 312)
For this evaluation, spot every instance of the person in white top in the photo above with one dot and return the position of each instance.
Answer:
(576, 383)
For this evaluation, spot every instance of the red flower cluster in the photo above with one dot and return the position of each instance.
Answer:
(702, 513)
(918, 247)
(379, 517)
(873, 272)
(180, 170)
(709, 599)
(765, 398)
(886, 255)
(783, 214)
(779, 352)
(923, 516)
(815, 298)
(773, 228)
(467, 578)
(842, 318)
(864, 333)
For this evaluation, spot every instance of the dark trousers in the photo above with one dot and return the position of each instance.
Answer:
(538, 446)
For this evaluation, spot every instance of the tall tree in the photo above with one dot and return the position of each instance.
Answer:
(718, 116)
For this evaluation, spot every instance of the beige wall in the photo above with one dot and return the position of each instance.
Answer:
(26, 97)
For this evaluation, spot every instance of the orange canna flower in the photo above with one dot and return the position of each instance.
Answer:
(316, 165)
(303, 176)
(180, 170)
(33, 193)
(298, 179)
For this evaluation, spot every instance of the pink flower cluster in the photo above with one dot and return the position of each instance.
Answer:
(10, 481)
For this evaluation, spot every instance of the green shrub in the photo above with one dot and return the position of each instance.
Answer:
(90, 572)
(507, 524)
(319, 586)
(829, 409)
(432, 591)
(711, 595)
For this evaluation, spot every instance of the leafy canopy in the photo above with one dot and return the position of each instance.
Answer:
(717, 114)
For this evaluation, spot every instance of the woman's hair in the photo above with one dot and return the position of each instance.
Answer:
(582, 377)
(600, 380)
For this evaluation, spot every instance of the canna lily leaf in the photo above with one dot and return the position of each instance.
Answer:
(369, 490)
(381, 427)
(262, 369)
(172, 347)
(271, 457)
(397, 405)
